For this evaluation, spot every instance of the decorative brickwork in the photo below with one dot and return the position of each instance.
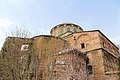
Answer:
(70, 53)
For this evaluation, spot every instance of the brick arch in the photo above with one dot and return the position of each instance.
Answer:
(81, 36)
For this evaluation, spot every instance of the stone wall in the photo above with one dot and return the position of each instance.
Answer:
(46, 47)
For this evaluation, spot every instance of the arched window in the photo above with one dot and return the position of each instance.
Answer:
(90, 69)
(68, 29)
(74, 30)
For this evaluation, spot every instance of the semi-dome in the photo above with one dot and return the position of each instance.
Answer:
(65, 29)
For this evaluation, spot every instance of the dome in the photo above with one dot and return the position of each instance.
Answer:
(65, 29)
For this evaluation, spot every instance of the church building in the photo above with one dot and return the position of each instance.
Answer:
(70, 53)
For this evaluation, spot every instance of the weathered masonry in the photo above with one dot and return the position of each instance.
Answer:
(70, 53)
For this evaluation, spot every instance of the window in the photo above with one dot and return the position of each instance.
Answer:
(41, 75)
(74, 38)
(70, 79)
(24, 47)
(68, 29)
(104, 46)
(31, 75)
(90, 69)
(61, 62)
(82, 45)
(74, 30)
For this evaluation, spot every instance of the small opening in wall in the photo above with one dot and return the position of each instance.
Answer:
(41, 75)
(60, 62)
(75, 30)
(82, 45)
(90, 69)
(24, 47)
(68, 29)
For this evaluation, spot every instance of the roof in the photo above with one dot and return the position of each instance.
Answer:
(100, 33)
(107, 39)
(47, 36)
(17, 37)
(67, 23)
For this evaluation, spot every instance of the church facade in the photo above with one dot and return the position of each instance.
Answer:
(70, 53)
(101, 53)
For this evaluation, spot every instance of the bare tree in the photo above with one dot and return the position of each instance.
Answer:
(66, 66)
(17, 61)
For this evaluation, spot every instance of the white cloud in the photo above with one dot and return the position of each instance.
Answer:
(5, 22)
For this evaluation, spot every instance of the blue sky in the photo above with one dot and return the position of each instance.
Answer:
(39, 16)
